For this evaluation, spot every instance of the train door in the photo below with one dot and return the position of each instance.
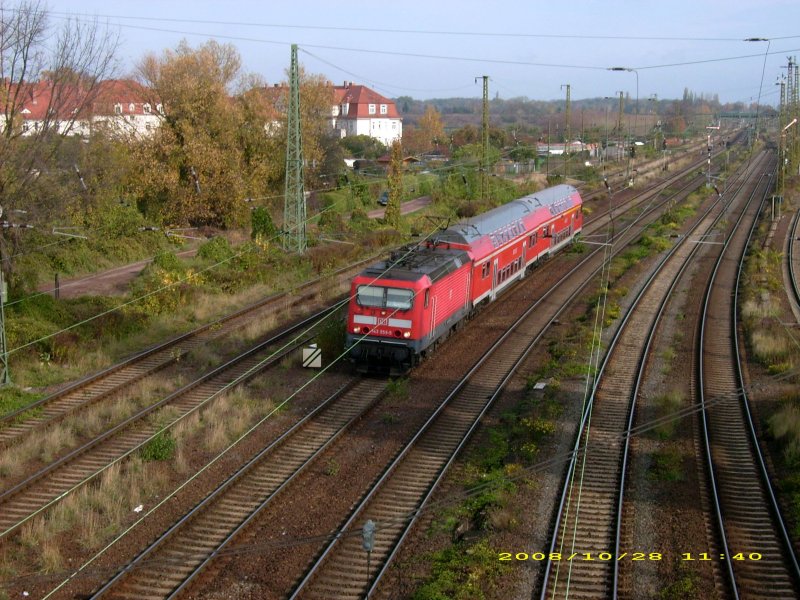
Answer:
(495, 278)
(433, 315)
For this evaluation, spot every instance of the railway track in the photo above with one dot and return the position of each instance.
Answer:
(19, 423)
(589, 516)
(210, 532)
(212, 553)
(49, 485)
(342, 569)
(168, 565)
(793, 265)
(46, 411)
(757, 551)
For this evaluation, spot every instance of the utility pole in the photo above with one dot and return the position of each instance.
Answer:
(547, 158)
(294, 208)
(485, 140)
(5, 371)
(566, 131)
(782, 118)
(708, 176)
(794, 113)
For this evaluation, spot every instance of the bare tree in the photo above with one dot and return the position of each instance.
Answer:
(50, 77)
(53, 74)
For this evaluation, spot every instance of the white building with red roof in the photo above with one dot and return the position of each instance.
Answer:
(126, 107)
(123, 107)
(359, 110)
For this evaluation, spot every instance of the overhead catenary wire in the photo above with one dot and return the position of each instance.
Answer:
(351, 185)
(233, 444)
(499, 61)
(449, 500)
(406, 31)
(399, 259)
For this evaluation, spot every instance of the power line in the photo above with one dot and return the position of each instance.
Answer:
(379, 84)
(449, 500)
(493, 34)
(460, 58)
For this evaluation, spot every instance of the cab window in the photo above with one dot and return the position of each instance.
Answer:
(384, 297)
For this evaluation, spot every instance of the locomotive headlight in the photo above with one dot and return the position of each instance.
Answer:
(356, 329)
(407, 334)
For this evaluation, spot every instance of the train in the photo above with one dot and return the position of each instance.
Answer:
(401, 308)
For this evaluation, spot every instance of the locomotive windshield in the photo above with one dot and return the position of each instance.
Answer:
(384, 297)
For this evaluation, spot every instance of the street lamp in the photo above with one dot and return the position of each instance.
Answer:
(763, 68)
(634, 71)
(636, 117)
(604, 155)
(782, 162)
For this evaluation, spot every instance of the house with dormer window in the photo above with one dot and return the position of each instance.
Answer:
(358, 110)
(120, 106)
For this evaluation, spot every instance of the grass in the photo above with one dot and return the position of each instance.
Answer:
(769, 342)
(685, 588)
(462, 572)
(161, 447)
(667, 465)
(258, 272)
(14, 398)
(90, 516)
(784, 426)
(331, 468)
(54, 439)
(397, 389)
(668, 404)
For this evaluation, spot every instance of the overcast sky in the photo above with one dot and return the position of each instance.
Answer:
(437, 48)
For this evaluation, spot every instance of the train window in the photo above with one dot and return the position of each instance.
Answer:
(427, 296)
(545, 230)
(397, 298)
(383, 297)
(485, 270)
(369, 295)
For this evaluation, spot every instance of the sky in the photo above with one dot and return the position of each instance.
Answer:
(436, 49)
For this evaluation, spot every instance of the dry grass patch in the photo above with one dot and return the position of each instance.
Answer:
(232, 415)
(785, 426)
(53, 440)
(204, 356)
(771, 347)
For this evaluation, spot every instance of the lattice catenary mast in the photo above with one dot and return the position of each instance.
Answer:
(294, 208)
(485, 140)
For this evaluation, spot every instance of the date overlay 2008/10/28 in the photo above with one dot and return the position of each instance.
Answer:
(610, 556)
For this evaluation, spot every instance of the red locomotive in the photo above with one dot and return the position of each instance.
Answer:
(401, 308)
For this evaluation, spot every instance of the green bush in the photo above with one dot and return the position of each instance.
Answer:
(216, 250)
(262, 225)
(161, 447)
(168, 261)
(463, 572)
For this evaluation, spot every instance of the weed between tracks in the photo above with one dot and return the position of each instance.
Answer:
(92, 515)
(44, 446)
(497, 467)
(775, 348)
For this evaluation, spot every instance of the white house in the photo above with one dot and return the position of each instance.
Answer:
(122, 106)
(358, 110)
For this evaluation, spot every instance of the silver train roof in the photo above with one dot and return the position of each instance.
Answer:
(473, 229)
